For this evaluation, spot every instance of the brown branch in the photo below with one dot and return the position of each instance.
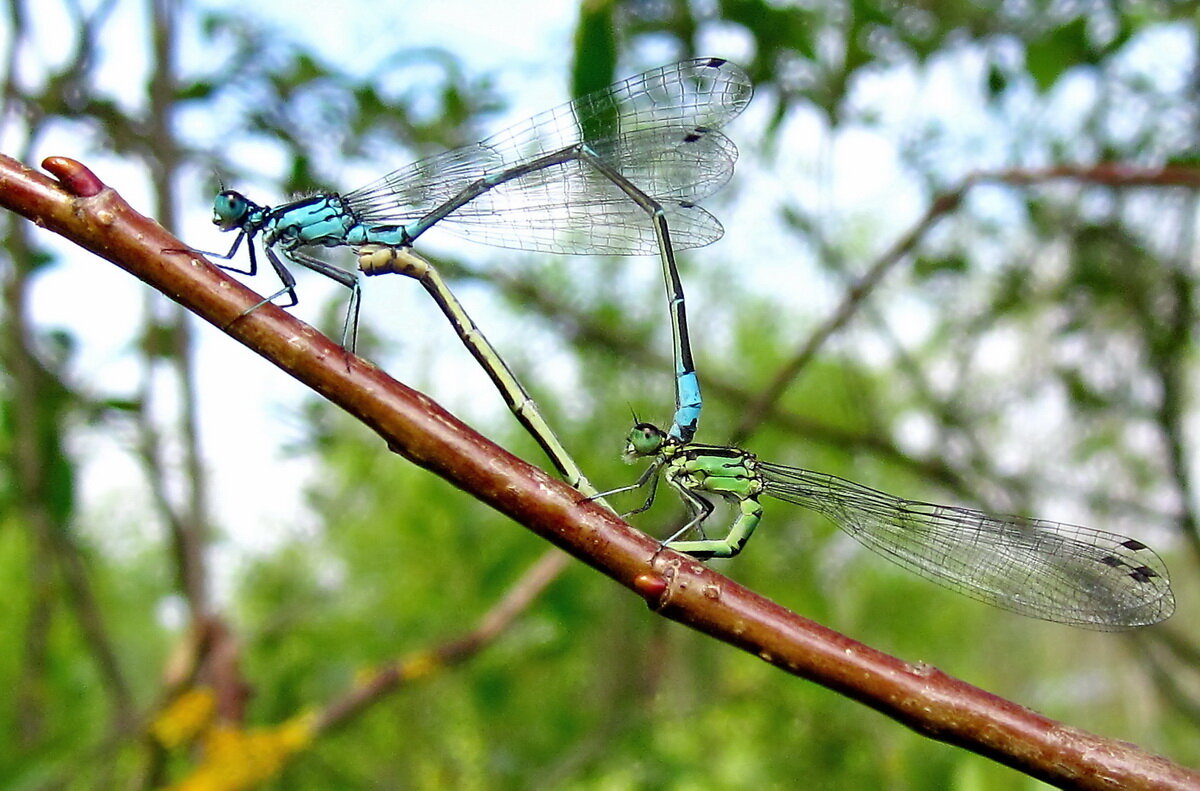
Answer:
(1111, 174)
(32, 499)
(1168, 338)
(36, 405)
(586, 331)
(420, 665)
(184, 551)
(191, 517)
(755, 413)
(1171, 659)
(923, 698)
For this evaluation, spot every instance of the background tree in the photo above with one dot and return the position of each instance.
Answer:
(1023, 347)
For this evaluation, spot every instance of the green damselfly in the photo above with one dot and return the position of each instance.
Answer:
(1058, 572)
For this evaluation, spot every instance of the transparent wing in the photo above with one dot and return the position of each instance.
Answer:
(660, 130)
(1058, 572)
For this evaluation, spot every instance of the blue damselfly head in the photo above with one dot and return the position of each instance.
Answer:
(230, 209)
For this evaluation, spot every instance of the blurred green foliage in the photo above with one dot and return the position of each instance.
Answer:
(1034, 350)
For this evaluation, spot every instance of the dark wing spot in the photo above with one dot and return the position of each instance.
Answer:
(1143, 573)
(1133, 544)
(1110, 560)
(716, 63)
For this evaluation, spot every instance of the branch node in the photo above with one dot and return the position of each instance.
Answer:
(74, 176)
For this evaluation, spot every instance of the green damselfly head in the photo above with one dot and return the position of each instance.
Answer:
(645, 439)
(230, 209)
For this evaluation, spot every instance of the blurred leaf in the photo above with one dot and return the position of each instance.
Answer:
(777, 28)
(1080, 392)
(595, 61)
(160, 340)
(997, 80)
(925, 267)
(1031, 351)
(1061, 48)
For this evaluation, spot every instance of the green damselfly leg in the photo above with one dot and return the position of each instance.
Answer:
(1057, 572)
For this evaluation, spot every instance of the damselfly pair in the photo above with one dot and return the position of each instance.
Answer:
(620, 171)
